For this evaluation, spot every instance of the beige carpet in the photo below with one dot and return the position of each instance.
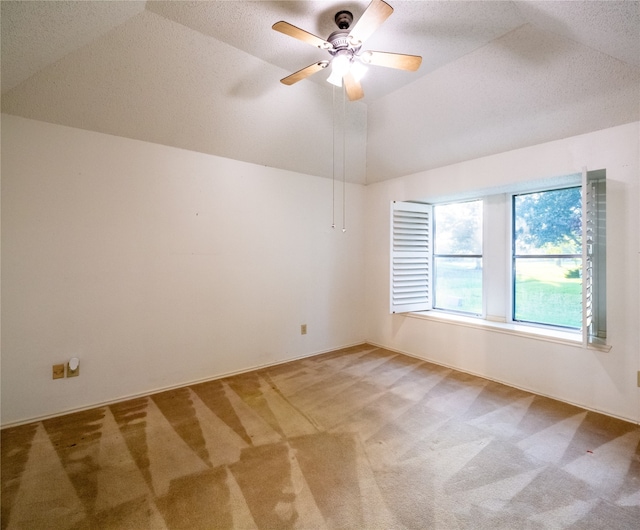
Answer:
(360, 438)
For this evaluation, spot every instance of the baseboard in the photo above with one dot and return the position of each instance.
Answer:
(306, 356)
(506, 383)
(171, 387)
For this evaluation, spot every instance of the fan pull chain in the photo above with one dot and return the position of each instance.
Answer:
(333, 158)
(344, 165)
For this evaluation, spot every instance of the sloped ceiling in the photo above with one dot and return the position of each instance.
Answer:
(205, 76)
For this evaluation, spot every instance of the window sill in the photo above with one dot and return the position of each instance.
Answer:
(570, 338)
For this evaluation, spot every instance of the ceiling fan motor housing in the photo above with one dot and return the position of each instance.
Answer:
(339, 40)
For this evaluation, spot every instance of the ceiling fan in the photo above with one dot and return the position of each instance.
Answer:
(344, 45)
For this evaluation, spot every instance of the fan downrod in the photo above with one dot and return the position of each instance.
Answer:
(343, 19)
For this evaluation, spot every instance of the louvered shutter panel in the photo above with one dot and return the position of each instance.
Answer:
(588, 242)
(410, 257)
(594, 256)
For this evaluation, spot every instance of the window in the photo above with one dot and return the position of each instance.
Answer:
(547, 257)
(533, 255)
(457, 257)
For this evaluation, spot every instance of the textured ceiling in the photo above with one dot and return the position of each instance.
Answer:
(204, 76)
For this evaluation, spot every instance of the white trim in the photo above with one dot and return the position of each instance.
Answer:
(529, 331)
(585, 257)
(509, 277)
(172, 387)
(529, 186)
(511, 385)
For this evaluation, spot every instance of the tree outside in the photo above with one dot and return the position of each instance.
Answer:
(547, 262)
(548, 290)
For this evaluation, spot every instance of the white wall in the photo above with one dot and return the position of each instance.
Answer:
(214, 98)
(596, 380)
(158, 266)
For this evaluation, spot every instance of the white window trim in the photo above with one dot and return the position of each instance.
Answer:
(530, 331)
(505, 324)
(509, 257)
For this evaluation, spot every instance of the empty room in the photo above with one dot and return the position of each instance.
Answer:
(320, 264)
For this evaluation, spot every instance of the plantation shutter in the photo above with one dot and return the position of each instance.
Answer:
(594, 257)
(410, 257)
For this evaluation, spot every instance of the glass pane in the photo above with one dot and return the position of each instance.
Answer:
(458, 284)
(548, 222)
(458, 228)
(548, 291)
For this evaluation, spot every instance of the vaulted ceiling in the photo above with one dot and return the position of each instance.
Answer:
(204, 76)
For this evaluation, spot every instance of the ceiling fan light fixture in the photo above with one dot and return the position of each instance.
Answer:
(341, 63)
(358, 70)
(340, 66)
(335, 79)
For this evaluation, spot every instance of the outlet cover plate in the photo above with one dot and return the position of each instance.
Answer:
(58, 371)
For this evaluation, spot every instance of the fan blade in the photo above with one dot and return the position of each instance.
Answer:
(300, 34)
(304, 73)
(352, 87)
(392, 60)
(377, 12)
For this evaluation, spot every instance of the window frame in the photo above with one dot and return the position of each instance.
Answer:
(513, 256)
(497, 313)
(434, 255)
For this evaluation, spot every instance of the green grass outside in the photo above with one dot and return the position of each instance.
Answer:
(459, 287)
(543, 294)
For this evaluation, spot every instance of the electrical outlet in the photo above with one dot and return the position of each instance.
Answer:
(58, 371)
(73, 367)
(303, 329)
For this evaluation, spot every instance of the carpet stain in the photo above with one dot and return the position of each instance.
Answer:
(360, 438)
